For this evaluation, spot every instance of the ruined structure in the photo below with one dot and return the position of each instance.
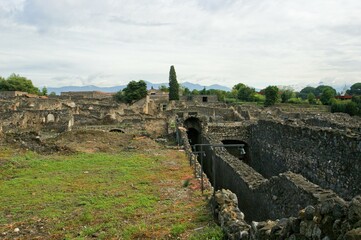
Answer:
(286, 154)
(292, 159)
(87, 94)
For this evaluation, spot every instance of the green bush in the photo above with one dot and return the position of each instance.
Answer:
(259, 98)
(295, 100)
(350, 107)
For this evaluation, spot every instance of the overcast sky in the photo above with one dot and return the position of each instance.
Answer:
(111, 42)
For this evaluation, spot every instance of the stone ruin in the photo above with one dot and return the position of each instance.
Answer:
(302, 170)
(301, 167)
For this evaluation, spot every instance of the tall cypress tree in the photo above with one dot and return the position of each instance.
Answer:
(173, 85)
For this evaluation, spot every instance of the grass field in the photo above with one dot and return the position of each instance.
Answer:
(126, 195)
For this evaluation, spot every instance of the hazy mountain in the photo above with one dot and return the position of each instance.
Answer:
(188, 85)
(192, 86)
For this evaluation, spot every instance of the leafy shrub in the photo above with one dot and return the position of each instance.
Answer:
(259, 98)
(295, 100)
(349, 107)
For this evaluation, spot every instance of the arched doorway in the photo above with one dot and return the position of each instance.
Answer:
(194, 130)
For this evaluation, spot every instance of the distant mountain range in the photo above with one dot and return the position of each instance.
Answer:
(190, 86)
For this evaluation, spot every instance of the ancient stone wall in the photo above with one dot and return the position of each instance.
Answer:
(327, 157)
(229, 130)
(36, 120)
(327, 220)
(281, 196)
(306, 210)
(155, 127)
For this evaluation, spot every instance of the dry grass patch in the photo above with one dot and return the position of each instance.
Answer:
(135, 194)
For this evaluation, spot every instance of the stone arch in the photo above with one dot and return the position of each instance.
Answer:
(50, 118)
(194, 129)
(117, 130)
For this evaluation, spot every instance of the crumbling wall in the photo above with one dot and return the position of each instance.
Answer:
(36, 120)
(227, 130)
(327, 157)
(327, 220)
(155, 127)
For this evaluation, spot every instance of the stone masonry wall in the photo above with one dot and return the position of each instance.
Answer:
(36, 120)
(326, 220)
(327, 157)
(280, 196)
(303, 210)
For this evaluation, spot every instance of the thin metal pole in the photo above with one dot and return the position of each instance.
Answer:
(202, 187)
(214, 174)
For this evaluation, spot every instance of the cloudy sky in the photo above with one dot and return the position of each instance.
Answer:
(110, 42)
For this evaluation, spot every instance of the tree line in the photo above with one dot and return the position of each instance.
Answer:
(16, 82)
(239, 93)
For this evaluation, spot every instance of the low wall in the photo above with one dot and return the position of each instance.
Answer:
(326, 220)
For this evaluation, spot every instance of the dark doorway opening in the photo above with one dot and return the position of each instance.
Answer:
(193, 136)
(204, 99)
(116, 130)
(245, 155)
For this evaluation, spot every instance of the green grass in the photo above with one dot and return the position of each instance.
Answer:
(99, 195)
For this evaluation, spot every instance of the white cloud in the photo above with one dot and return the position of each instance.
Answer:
(65, 42)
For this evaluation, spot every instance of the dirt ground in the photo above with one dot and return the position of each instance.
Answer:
(79, 141)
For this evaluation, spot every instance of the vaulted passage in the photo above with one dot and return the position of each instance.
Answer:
(194, 130)
(242, 154)
(193, 136)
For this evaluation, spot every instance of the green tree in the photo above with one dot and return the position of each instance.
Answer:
(203, 91)
(238, 86)
(246, 93)
(311, 98)
(235, 90)
(221, 95)
(271, 93)
(133, 92)
(18, 83)
(307, 90)
(195, 92)
(355, 90)
(163, 88)
(173, 85)
(186, 92)
(320, 89)
(52, 94)
(286, 95)
(44, 91)
(327, 95)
